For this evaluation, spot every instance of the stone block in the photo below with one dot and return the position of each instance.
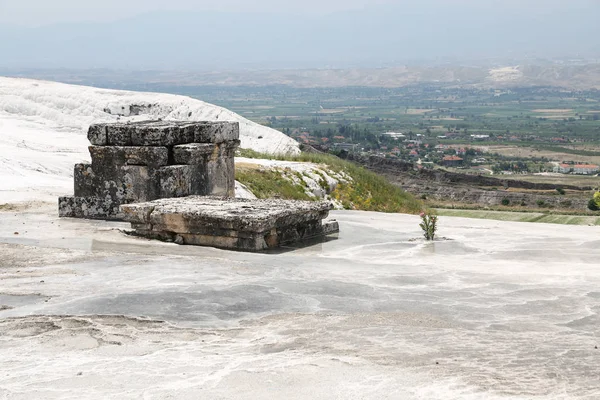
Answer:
(136, 183)
(85, 182)
(109, 157)
(125, 183)
(159, 133)
(97, 135)
(216, 132)
(180, 181)
(162, 133)
(88, 207)
(118, 135)
(220, 171)
(193, 153)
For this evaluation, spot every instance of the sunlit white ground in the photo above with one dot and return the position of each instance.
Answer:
(497, 310)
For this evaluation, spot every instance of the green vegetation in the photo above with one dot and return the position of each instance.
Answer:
(268, 184)
(428, 224)
(594, 203)
(517, 131)
(364, 191)
(512, 133)
(519, 115)
(567, 150)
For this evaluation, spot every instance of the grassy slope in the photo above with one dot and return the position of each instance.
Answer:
(367, 191)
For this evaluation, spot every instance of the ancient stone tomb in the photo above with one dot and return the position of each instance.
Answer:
(145, 161)
(175, 181)
(238, 224)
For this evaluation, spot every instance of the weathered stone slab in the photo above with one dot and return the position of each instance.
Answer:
(216, 132)
(134, 183)
(124, 184)
(161, 133)
(85, 181)
(220, 171)
(180, 181)
(193, 153)
(97, 135)
(107, 157)
(240, 224)
(88, 207)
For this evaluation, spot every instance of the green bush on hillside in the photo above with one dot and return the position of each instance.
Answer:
(594, 203)
(366, 191)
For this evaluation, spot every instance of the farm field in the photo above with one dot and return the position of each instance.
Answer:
(557, 179)
(521, 216)
(550, 152)
(421, 109)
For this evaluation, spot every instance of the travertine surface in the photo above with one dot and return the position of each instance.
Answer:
(500, 310)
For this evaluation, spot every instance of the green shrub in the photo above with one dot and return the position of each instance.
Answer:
(505, 201)
(560, 191)
(366, 191)
(428, 224)
(592, 205)
(541, 203)
(270, 183)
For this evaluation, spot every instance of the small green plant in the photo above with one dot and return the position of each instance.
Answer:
(560, 191)
(428, 224)
(541, 203)
(505, 201)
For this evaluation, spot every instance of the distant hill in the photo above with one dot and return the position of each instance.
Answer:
(561, 75)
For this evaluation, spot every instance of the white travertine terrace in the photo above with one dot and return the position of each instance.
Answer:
(501, 310)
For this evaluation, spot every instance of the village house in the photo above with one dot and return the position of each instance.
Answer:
(585, 169)
(480, 137)
(563, 168)
(352, 147)
(577, 169)
(452, 161)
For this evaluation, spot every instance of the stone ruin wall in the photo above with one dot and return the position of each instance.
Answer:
(144, 161)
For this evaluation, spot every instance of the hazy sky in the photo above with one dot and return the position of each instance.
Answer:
(42, 12)
(167, 34)
(37, 12)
